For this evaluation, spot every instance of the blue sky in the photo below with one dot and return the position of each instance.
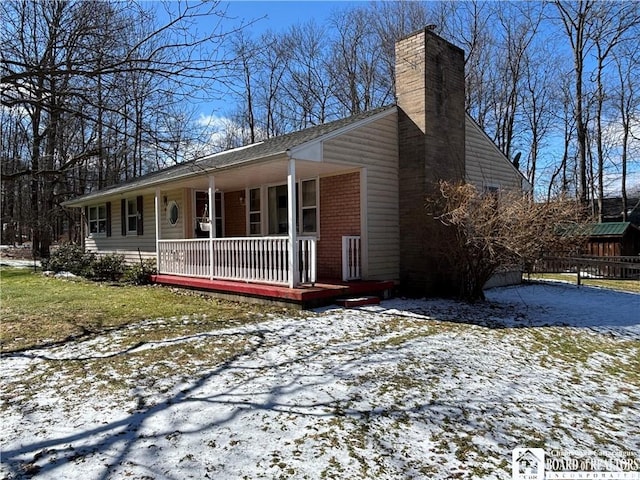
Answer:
(280, 15)
(263, 15)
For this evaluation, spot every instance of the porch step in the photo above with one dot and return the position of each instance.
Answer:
(357, 301)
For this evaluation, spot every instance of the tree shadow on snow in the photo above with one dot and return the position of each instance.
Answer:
(533, 305)
(284, 375)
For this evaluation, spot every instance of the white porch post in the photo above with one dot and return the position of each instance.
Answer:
(212, 221)
(291, 217)
(156, 206)
(364, 225)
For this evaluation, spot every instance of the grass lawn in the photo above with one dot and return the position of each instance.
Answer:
(146, 382)
(39, 310)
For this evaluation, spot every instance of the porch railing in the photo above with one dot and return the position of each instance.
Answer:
(351, 258)
(249, 259)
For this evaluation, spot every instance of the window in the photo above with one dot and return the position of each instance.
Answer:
(309, 206)
(98, 220)
(173, 213)
(219, 210)
(491, 188)
(203, 217)
(255, 219)
(132, 216)
(307, 217)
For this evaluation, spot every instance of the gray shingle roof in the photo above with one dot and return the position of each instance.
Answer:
(612, 209)
(267, 148)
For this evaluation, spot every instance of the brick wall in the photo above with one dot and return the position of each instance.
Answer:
(235, 223)
(339, 215)
(431, 129)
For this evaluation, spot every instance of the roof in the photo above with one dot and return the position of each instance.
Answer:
(267, 149)
(612, 209)
(609, 229)
(229, 158)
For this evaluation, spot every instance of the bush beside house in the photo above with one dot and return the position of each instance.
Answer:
(108, 267)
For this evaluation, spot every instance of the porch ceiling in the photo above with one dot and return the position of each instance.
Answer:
(271, 170)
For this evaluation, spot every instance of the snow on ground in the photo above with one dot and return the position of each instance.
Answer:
(408, 389)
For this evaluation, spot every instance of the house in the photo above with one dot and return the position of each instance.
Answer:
(612, 210)
(335, 203)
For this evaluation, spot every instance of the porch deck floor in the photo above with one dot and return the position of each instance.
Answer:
(305, 296)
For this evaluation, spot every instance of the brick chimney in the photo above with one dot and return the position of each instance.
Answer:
(431, 128)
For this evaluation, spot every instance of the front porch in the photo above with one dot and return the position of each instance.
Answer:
(303, 296)
(265, 230)
(260, 267)
(246, 259)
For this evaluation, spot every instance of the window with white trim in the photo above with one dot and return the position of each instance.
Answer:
(309, 206)
(131, 210)
(97, 220)
(132, 215)
(173, 213)
(203, 214)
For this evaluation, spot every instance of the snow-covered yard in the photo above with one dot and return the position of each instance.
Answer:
(408, 389)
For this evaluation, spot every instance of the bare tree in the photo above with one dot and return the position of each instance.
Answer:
(627, 100)
(246, 52)
(536, 97)
(309, 87)
(576, 20)
(359, 64)
(468, 24)
(519, 26)
(62, 65)
(391, 21)
(272, 62)
(611, 23)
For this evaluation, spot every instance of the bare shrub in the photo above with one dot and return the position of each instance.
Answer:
(500, 230)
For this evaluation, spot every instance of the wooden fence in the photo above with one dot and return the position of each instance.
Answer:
(625, 268)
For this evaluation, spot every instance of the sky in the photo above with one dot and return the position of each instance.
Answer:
(277, 16)
(280, 15)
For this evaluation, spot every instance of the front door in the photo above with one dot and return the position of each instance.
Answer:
(203, 215)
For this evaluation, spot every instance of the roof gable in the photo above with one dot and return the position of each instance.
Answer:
(470, 122)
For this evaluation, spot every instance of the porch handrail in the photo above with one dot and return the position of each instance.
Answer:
(351, 269)
(249, 259)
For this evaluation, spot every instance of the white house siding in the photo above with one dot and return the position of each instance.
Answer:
(177, 231)
(485, 165)
(374, 147)
(128, 245)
